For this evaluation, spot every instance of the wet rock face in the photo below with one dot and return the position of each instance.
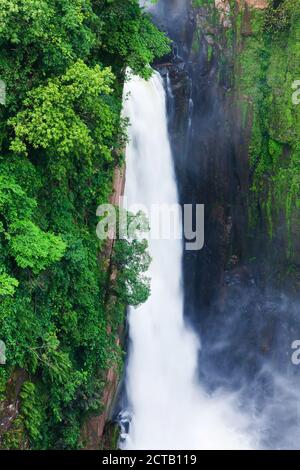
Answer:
(172, 16)
(203, 149)
(209, 146)
(246, 327)
(211, 160)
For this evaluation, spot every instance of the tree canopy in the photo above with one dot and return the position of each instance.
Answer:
(63, 63)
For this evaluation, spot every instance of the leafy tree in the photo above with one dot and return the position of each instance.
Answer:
(132, 261)
(68, 115)
(130, 35)
(61, 137)
(8, 284)
(33, 248)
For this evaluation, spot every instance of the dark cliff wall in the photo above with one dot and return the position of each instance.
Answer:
(208, 168)
(241, 290)
(234, 136)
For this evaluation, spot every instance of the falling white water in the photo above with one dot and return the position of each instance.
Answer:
(169, 409)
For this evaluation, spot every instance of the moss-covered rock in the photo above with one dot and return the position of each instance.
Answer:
(266, 70)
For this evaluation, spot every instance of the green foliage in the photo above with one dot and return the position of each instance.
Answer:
(14, 203)
(61, 137)
(278, 17)
(132, 261)
(265, 80)
(15, 437)
(41, 37)
(32, 417)
(202, 3)
(7, 284)
(33, 248)
(124, 29)
(68, 115)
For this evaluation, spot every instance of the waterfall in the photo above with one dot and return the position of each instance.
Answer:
(168, 408)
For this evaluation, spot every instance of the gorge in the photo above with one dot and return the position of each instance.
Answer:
(167, 409)
(243, 316)
(103, 349)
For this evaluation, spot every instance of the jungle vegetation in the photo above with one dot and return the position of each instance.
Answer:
(63, 64)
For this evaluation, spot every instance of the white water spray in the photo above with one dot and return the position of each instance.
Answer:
(169, 409)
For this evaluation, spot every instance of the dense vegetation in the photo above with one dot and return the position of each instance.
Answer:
(61, 136)
(267, 79)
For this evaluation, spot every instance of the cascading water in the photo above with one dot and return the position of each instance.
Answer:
(168, 408)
